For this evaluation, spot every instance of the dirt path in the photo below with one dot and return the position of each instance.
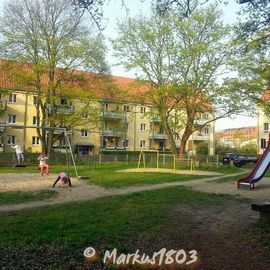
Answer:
(83, 191)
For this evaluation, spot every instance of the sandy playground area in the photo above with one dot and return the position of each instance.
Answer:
(189, 172)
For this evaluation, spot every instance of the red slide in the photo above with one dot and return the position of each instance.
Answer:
(258, 171)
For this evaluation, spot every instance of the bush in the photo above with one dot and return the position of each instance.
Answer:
(250, 148)
(202, 148)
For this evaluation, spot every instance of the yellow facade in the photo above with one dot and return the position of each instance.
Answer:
(122, 126)
(263, 124)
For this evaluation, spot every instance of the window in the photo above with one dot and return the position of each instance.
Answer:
(11, 119)
(206, 130)
(143, 109)
(35, 140)
(206, 116)
(126, 108)
(142, 144)
(143, 127)
(263, 143)
(35, 100)
(177, 138)
(11, 139)
(12, 98)
(62, 142)
(126, 126)
(265, 127)
(35, 121)
(84, 115)
(106, 106)
(125, 143)
(84, 133)
(161, 146)
(64, 101)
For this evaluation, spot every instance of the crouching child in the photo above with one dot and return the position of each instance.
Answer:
(64, 177)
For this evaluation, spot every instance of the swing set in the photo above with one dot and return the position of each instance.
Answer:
(69, 152)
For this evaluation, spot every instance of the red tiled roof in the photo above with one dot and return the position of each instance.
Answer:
(18, 76)
(266, 95)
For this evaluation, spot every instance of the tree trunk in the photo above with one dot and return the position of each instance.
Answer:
(184, 139)
(187, 132)
(165, 125)
(170, 138)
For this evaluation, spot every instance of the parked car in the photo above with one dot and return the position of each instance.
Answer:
(227, 158)
(241, 160)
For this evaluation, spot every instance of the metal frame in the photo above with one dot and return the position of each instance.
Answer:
(64, 130)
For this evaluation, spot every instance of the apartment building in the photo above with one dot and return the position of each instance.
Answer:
(263, 131)
(263, 123)
(123, 125)
(236, 135)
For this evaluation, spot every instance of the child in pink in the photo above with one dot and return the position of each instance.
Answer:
(63, 176)
(43, 165)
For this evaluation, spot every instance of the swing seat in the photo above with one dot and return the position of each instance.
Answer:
(83, 177)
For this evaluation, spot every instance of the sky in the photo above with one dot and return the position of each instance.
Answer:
(115, 11)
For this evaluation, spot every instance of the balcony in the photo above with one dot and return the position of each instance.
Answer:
(62, 109)
(3, 105)
(155, 119)
(65, 109)
(113, 115)
(198, 137)
(112, 133)
(201, 122)
(60, 131)
(2, 128)
(158, 136)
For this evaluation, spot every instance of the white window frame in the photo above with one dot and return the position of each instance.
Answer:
(84, 133)
(63, 101)
(126, 126)
(263, 143)
(143, 127)
(12, 118)
(35, 100)
(85, 115)
(206, 131)
(12, 98)
(126, 108)
(206, 116)
(62, 142)
(264, 127)
(125, 143)
(142, 144)
(11, 139)
(143, 110)
(35, 121)
(35, 140)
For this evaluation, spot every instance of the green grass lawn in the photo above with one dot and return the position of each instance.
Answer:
(115, 179)
(14, 197)
(57, 235)
(109, 176)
